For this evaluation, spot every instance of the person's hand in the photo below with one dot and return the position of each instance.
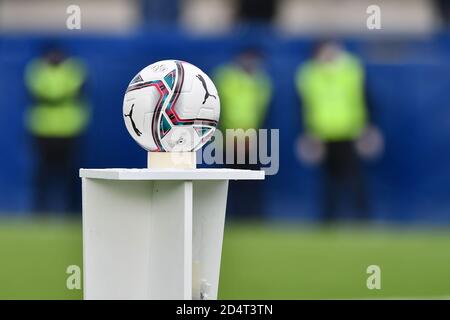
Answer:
(370, 144)
(310, 150)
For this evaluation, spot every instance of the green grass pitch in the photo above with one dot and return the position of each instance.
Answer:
(259, 261)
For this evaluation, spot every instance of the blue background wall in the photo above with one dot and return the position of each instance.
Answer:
(408, 85)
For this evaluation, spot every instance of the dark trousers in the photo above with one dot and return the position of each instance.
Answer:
(56, 178)
(245, 197)
(343, 183)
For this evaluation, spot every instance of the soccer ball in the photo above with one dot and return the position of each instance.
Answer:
(171, 106)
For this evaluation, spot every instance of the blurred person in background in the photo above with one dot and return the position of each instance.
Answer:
(245, 92)
(56, 120)
(337, 130)
(443, 9)
(256, 10)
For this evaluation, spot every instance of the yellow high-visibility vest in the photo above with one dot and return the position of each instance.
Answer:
(333, 98)
(58, 112)
(244, 97)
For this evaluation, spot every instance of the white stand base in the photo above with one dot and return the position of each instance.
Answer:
(173, 160)
(154, 233)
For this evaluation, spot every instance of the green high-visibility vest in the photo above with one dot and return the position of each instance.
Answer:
(244, 97)
(58, 111)
(333, 98)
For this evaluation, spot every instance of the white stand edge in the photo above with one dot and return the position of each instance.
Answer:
(154, 233)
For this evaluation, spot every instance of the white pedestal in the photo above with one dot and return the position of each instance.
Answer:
(154, 233)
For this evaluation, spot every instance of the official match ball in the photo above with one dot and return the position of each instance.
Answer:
(171, 106)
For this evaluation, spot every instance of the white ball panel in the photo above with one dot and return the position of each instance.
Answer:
(187, 107)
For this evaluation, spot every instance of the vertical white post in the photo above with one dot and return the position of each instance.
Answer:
(210, 200)
(170, 266)
(116, 220)
(170, 239)
(137, 239)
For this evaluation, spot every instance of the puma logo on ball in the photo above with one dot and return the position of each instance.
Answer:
(207, 94)
(130, 115)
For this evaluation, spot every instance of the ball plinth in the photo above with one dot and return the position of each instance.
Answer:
(171, 160)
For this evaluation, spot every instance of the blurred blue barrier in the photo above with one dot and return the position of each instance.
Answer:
(408, 84)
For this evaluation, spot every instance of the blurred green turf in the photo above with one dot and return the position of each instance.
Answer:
(259, 262)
